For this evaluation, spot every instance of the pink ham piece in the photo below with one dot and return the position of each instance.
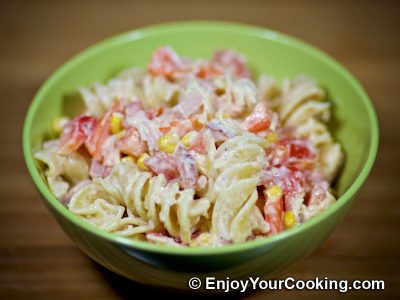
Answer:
(198, 143)
(132, 108)
(162, 163)
(190, 102)
(166, 62)
(183, 127)
(132, 143)
(98, 170)
(148, 129)
(186, 167)
(318, 193)
(233, 61)
(75, 133)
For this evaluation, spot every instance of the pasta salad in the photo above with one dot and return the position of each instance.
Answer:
(195, 152)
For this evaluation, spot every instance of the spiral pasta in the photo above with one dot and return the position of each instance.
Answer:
(62, 171)
(193, 153)
(300, 105)
(101, 98)
(151, 204)
(238, 96)
(239, 162)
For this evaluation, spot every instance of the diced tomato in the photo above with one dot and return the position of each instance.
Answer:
(165, 62)
(164, 129)
(277, 154)
(162, 163)
(195, 122)
(207, 71)
(298, 148)
(132, 143)
(259, 119)
(294, 154)
(294, 183)
(273, 213)
(154, 112)
(99, 133)
(290, 181)
(75, 133)
(232, 60)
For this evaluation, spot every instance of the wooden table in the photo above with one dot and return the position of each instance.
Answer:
(37, 260)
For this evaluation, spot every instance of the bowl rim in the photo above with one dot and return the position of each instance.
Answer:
(221, 26)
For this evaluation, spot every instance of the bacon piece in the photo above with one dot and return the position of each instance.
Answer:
(162, 163)
(186, 167)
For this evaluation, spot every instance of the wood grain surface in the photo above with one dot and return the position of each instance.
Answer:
(38, 261)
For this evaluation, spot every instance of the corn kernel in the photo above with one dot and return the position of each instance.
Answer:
(168, 142)
(272, 137)
(187, 138)
(116, 122)
(127, 159)
(58, 124)
(225, 115)
(289, 219)
(274, 192)
(140, 162)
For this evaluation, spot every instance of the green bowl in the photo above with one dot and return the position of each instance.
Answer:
(354, 125)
